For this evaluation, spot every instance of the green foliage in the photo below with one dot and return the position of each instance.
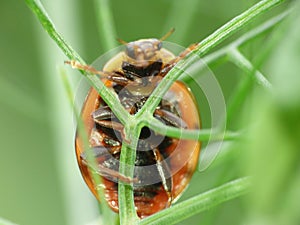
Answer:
(134, 123)
(273, 142)
(266, 141)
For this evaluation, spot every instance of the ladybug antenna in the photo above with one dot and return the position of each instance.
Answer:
(122, 41)
(167, 34)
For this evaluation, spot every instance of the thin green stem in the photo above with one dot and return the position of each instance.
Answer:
(127, 158)
(38, 9)
(242, 91)
(200, 203)
(106, 26)
(127, 161)
(222, 53)
(234, 25)
(107, 95)
(260, 29)
(204, 46)
(200, 135)
(241, 61)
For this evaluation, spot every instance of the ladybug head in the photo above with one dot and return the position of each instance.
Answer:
(144, 49)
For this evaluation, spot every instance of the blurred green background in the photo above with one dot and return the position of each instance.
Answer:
(40, 181)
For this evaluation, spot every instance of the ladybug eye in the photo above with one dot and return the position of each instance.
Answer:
(130, 51)
(159, 45)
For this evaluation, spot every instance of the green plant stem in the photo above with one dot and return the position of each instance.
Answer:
(234, 25)
(260, 29)
(199, 203)
(242, 91)
(204, 46)
(201, 135)
(38, 9)
(241, 61)
(222, 53)
(127, 210)
(106, 26)
(108, 96)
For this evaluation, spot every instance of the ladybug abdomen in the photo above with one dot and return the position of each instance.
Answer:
(150, 194)
(148, 199)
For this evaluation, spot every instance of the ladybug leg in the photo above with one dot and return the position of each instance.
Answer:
(121, 78)
(77, 65)
(168, 66)
(170, 118)
(111, 124)
(117, 77)
(103, 113)
(164, 173)
(107, 165)
(103, 116)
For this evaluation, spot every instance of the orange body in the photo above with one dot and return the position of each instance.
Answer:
(179, 157)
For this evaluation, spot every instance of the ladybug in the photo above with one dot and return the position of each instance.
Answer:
(163, 165)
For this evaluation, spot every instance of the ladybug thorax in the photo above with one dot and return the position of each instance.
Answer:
(140, 63)
(141, 90)
(143, 50)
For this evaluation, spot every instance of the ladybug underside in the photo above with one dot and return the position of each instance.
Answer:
(154, 184)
